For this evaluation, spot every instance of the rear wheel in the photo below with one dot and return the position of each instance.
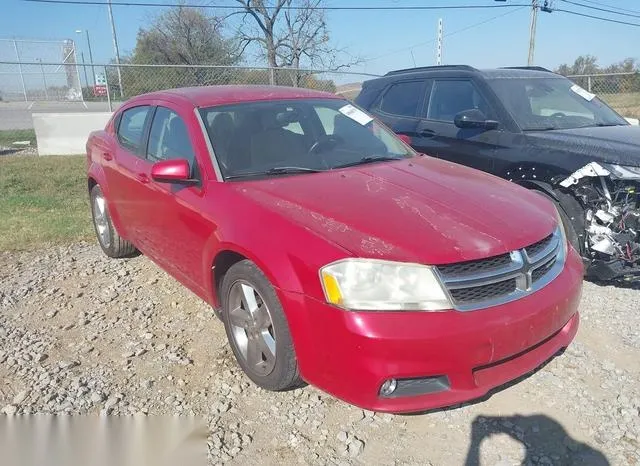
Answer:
(108, 238)
(257, 328)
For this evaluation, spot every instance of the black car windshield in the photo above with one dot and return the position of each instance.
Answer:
(299, 136)
(552, 103)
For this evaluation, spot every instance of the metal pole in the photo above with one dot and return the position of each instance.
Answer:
(84, 67)
(532, 31)
(106, 81)
(44, 80)
(440, 39)
(93, 71)
(24, 88)
(589, 83)
(115, 48)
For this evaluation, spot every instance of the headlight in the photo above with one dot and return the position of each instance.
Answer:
(369, 284)
(561, 231)
(623, 172)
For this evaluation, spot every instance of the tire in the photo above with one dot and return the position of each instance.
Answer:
(260, 339)
(569, 227)
(108, 238)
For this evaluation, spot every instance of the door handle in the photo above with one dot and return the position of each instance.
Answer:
(142, 178)
(107, 156)
(427, 133)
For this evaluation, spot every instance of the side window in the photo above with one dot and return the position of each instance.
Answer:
(402, 99)
(131, 128)
(169, 138)
(450, 97)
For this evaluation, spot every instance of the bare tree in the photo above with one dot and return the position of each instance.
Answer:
(184, 36)
(289, 32)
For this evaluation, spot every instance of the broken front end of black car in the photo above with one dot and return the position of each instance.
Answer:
(607, 219)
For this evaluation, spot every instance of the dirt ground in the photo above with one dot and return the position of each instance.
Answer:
(80, 333)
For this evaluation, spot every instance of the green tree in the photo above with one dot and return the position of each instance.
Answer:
(184, 38)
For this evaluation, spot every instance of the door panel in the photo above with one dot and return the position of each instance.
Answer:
(125, 186)
(176, 230)
(437, 135)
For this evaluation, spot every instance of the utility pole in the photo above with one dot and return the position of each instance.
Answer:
(532, 31)
(115, 48)
(24, 88)
(86, 78)
(93, 71)
(547, 7)
(439, 47)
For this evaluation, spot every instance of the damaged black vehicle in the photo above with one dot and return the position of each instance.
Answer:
(537, 129)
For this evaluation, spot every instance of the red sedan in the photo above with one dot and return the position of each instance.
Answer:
(333, 252)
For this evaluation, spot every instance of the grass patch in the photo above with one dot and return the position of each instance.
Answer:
(43, 200)
(9, 136)
(627, 104)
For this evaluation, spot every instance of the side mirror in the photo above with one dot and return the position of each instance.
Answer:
(404, 138)
(474, 118)
(172, 171)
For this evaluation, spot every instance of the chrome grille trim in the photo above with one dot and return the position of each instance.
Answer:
(547, 253)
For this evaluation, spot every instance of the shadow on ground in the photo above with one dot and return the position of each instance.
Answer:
(544, 439)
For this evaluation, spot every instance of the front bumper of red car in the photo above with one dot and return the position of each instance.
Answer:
(437, 359)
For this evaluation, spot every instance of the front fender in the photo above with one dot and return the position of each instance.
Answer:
(289, 256)
(539, 186)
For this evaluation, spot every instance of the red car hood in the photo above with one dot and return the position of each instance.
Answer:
(421, 209)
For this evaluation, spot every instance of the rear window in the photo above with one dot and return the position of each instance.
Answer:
(402, 99)
(131, 128)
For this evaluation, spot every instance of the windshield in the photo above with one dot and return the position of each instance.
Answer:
(552, 103)
(296, 136)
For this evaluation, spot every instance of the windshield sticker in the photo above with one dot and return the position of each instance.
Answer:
(586, 95)
(355, 114)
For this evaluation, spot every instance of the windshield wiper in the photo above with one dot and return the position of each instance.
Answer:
(274, 171)
(368, 159)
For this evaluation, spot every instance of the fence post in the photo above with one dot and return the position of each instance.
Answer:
(589, 83)
(106, 81)
(24, 88)
(44, 80)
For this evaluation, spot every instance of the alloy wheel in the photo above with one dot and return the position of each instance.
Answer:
(252, 328)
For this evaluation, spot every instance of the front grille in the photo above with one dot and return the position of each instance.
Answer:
(471, 267)
(537, 248)
(483, 293)
(540, 272)
(499, 279)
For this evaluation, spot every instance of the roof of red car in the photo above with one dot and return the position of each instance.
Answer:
(205, 96)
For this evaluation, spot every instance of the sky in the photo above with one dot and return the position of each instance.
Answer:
(382, 40)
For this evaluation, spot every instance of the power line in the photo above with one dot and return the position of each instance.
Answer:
(607, 10)
(458, 31)
(611, 6)
(585, 15)
(239, 7)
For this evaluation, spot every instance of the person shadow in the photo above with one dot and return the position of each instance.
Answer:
(544, 439)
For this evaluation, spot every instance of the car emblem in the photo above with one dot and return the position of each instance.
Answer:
(524, 280)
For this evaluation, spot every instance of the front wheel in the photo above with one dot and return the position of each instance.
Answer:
(257, 328)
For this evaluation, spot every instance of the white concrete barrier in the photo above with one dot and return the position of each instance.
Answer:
(66, 133)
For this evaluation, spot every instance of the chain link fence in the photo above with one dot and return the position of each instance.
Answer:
(68, 86)
(621, 91)
(25, 75)
(28, 87)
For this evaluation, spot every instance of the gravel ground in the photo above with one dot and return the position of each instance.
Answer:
(80, 333)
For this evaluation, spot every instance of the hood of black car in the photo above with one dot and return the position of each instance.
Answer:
(612, 144)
